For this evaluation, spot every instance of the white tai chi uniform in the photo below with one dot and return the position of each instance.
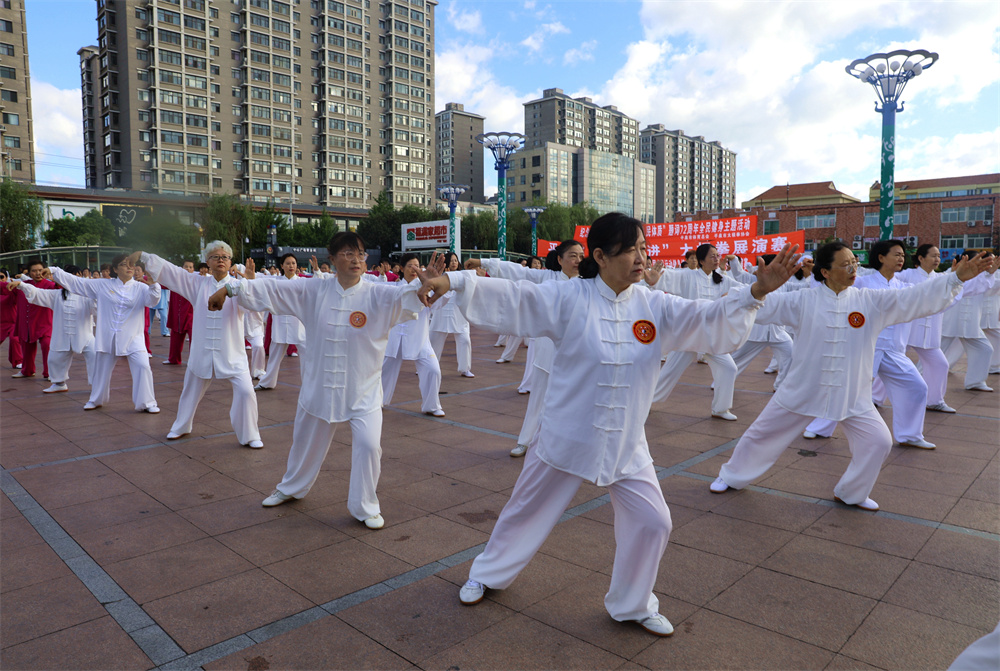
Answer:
(925, 341)
(962, 323)
(540, 365)
(410, 340)
(72, 329)
(254, 324)
(121, 310)
(696, 284)
(989, 321)
(447, 318)
(607, 348)
(217, 350)
(831, 376)
(351, 329)
(285, 330)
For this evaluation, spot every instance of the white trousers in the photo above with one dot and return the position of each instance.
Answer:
(542, 494)
(934, 369)
(907, 392)
(463, 348)
(258, 358)
(311, 438)
(539, 382)
(780, 351)
(242, 413)
(723, 374)
(428, 376)
(978, 352)
(59, 363)
(993, 335)
(501, 341)
(270, 377)
(142, 379)
(529, 365)
(775, 428)
(513, 342)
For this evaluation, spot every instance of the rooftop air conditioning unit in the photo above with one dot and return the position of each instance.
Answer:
(911, 241)
(971, 224)
(858, 238)
(857, 244)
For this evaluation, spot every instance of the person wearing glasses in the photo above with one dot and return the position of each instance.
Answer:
(285, 330)
(350, 321)
(836, 327)
(217, 349)
(121, 306)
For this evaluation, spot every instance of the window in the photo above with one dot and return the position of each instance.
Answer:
(8, 95)
(815, 221)
(7, 73)
(164, 16)
(171, 137)
(6, 49)
(12, 141)
(6, 26)
(771, 227)
(975, 213)
(11, 119)
(167, 116)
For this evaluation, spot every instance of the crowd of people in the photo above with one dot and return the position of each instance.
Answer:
(609, 334)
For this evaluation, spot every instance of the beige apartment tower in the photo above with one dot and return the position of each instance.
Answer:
(322, 102)
(17, 160)
(458, 154)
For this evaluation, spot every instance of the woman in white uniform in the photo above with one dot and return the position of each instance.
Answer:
(285, 330)
(708, 284)
(446, 319)
(72, 329)
(961, 328)
(217, 349)
(562, 263)
(410, 341)
(836, 327)
(607, 334)
(121, 312)
(350, 320)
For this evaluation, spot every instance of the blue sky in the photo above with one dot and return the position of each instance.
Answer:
(765, 78)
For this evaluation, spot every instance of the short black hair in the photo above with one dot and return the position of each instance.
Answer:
(342, 240)
(823, 258)
(922, 251)
(202, 265)
(612, 233)
(34, 262)
(881, 248)
(115, 262)
(406, 258)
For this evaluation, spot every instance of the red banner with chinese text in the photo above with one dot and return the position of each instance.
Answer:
(735, 235)
(546, 246)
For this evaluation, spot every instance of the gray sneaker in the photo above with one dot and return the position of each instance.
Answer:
(471, 593)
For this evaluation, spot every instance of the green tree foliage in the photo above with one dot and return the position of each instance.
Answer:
(559, 222)
(93, 228)
(381, 228)
(479, 231)
(315, 234)
(228, 219)
(164, 235)
(21, 214)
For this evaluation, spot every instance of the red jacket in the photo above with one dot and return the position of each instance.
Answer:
(180, 314)
(8, 311)
(33, 321)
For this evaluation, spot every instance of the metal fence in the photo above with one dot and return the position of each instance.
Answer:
(85, 257)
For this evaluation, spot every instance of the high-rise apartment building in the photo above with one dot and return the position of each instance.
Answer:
(325, 102)
(691, 173)
(17, 159)
(458, 154)
(578, 122)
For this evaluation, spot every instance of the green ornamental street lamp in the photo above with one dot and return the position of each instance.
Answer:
(888, 75)
(451, 192)
(503, 145)
(533, 212)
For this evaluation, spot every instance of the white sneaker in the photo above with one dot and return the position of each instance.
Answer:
(293, 354)
(467, 373)
(261, 387)
(941, 407)
(174, 435)
(152, 410)
(276, 499)
(718, 486)
(867, 504)
(498, 361)
(979, 386)
(922, 444)
(436, 413)
(809, 435)
(18, 366)
(255, 444)
(523, 392)
(375, 522)
(770, 371)
(994, 371)
(728, 416)
(91, 406)
(471, 593)
(657, 624)
(55, 388)
(19, 374)
(519, 451)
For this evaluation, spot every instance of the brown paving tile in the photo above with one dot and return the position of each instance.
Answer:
(494, 475)
(520, 642)
(480, 514)
(845, 663)
(679, 515)
(218, 517)
(805, 483)
(708, 640)
(962, 552)
(583, 542)
(939, 461)
(124, 541)
(838, 565)
(46, 607)
(100, 645)
(987, 486)
(925, 480)
(899, 638)
(975, 515)
(769, 510)
(20, 567)
(58, 448)
(732, 538)
(219, 610)
(438, 492)
(175, 569)
(437, 458)
(17, 532)
(70, 490)
(959, 597)
(198, 491)
(7, 508)
(280, 539)
(913, 502)
(107, 512)
(328, 643)
(423, 540)
(794, 607)
(155, 466)
(132, 438)
(880, 534)
(695, 576)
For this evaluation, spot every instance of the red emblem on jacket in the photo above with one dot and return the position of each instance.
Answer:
(357, 319)
(856, 319)
(644, 331)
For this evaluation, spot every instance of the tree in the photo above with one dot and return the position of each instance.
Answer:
(21, 214)
(380, 229)
(479, 231)
(313, 234)
(93, 228)
(559, 222)
(164, 235)
(226, 218)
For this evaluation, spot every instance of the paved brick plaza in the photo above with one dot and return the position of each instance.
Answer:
(120, 551)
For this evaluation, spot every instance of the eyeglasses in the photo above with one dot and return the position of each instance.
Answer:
(353, 256)
(849, 264)
(220, 257)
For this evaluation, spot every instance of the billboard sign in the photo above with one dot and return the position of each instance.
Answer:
(428, 234)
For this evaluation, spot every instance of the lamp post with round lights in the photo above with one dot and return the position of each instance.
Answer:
(503, 145)
(888, 75)
(533, 212)
(451, 192)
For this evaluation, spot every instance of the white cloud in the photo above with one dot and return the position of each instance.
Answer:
(585, 52)
(464, 76)
(58, 134)
(466, 22)
(536, 40)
